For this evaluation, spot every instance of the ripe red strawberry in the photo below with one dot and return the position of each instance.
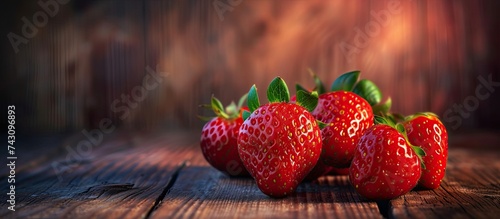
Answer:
(219, 138)
(348, 116)
(426, 131)
(385, 165)
(279, 142)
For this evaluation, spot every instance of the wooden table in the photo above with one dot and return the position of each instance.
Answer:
(164, 175)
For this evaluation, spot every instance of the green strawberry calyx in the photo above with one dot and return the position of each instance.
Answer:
(277, 91)
(364, 88)
(318, 84)
(401, 129)
(395, 117)
(230, 112)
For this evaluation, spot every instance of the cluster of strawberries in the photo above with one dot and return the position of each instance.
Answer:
(299, 138)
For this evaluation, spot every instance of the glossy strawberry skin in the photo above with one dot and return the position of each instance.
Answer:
(430, 134)
(349, 115)
(279, 144)
(219, 145)
(384, 165)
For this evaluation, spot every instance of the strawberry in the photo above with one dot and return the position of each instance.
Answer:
(426, 131)
(219, 138)
(348, 116)
(348, 109)
(385, 164)
(279, 142)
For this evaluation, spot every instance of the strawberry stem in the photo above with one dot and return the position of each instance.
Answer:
(319, 86)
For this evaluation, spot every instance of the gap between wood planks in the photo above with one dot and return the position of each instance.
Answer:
(166, 190)
(384, 207)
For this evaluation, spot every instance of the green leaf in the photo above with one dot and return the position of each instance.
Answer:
(278, 91)
(382, 108)
(299, 87)
(384, 120)
(253, 99)
(390, 117)
(242, 100)
(401, 128)
(319, 86)
(369, 91)
(307, 100)
(245, 114)
(321, 124)
(418, 150)
(420, 153)
(397, 117)
(346, 81)
(215, 103)
(380, 120)
(218, 108)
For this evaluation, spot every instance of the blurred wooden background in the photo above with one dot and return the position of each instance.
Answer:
(426, 55)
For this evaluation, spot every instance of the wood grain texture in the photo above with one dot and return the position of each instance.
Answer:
(166, 176)
(122, 184)
(471, 189)
(203, 192)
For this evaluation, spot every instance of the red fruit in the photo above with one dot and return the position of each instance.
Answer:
(385, 166)
(348, 116)
(426, 131)
(279, 142)
(219, 140)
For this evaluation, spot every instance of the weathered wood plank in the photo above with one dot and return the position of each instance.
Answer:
(29, 156)
(471, 189)
(140, 177)
(122, 184)
(203, 192)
